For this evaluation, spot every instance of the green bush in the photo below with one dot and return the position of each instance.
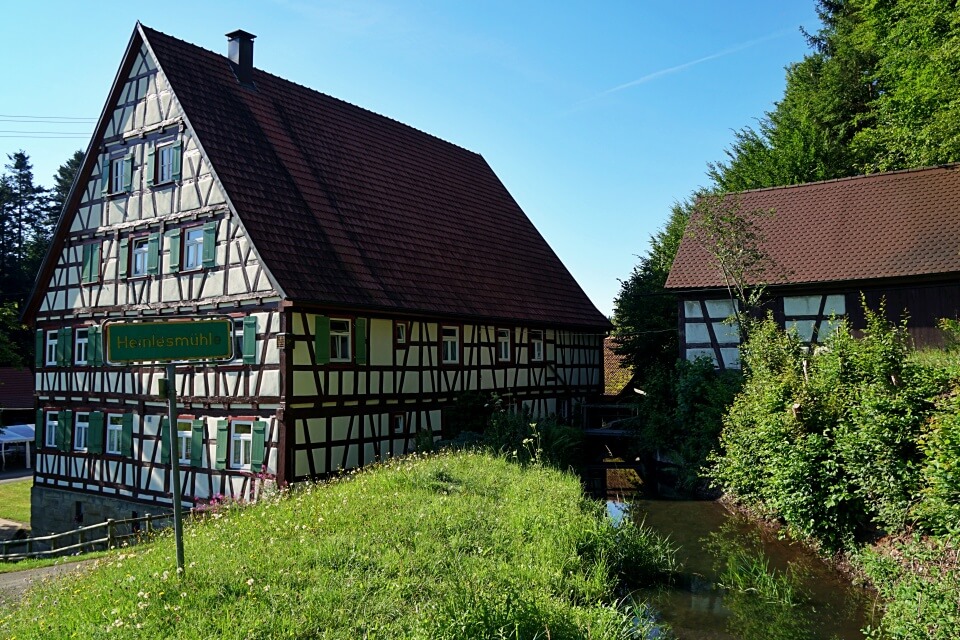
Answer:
(828, 440)
(940, 507)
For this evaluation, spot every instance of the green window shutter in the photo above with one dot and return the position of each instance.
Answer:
(322, 339)
(360, 338)
(67, 346)
(153, 254)
(64, 418)
(105, 175)
(258, 445)
(210, 244)
(95, 433)
(95, 262)
(126, 435)
(165, 440)
(123, 258)
(151, 159)
(38, 430)
(174, 238)
(128, 171)
(196, 443)
(176, 159)
(250, 340)
(222, 436)
(94, 347)
(59, 348)
(41, 348)
(85, 263)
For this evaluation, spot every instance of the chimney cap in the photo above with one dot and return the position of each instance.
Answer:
(240, 34)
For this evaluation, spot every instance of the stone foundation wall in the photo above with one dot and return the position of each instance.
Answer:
(55, 509)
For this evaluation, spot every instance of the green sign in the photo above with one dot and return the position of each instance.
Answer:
(174, 340)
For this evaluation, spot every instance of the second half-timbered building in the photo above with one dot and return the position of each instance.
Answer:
(887, 237)
(374, 274)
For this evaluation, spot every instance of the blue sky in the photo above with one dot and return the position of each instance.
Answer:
(597, 116)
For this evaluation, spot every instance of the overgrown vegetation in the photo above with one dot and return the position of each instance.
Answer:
(851, 442)
(455, 545)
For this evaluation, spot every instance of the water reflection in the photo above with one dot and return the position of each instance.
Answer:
(740, 584)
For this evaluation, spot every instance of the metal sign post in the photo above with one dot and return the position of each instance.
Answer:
(203, 340)
(174, 436)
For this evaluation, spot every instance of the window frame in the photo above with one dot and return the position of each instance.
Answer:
(81, 345)
(337, 337)
(118, 429)
(237, 446)
(166, 148)
(184, 439)
(401, 334)
(537, 345)
(397, 423)
(117, 170)
(50, 348)
(51, 420)
(444, 341)
(504, 344)
(77, 431)
(136, 241)
(185, 245)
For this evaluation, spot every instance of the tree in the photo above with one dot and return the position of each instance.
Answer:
(25, 219)
(62, 182)
(733, 239)
(645, 315)
(12, 336)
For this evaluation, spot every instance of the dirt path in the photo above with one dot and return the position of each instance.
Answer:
(13, 584)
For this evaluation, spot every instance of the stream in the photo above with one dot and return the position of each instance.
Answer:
(739, 582)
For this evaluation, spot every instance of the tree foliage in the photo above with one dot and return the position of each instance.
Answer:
(645, 315)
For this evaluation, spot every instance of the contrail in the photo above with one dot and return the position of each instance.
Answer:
(686, 65)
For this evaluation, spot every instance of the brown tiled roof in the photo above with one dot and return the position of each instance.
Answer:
(886, 225)
(616, 372)
(16, 388)
(351, 208)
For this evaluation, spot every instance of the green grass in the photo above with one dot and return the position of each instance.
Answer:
(15, 500)
(458, 545)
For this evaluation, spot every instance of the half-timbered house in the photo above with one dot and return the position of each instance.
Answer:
(373, 271)
(888, 236)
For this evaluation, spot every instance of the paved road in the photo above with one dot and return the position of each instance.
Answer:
(14, 584)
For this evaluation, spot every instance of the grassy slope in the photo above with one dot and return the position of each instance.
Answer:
(15, 500)
(451, 546)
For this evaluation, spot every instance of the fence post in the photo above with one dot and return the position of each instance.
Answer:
(111, 539)
(149, 525)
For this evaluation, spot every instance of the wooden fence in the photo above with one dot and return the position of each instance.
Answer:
(117, 531)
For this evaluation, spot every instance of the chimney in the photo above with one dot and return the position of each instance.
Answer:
(240, 52)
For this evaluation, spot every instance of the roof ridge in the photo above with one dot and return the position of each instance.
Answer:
(862, 176)
(312, 90)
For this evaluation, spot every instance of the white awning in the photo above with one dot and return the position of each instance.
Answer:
(14, 433)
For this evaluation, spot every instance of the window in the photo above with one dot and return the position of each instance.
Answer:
(90, 262)
(451, 345)
(80, 346)
(51, 348)
(193, 248)
(165, 163)
(396, 422)
(81, 427)
(339, 340)
(184, 440)
(503, 345)
(536, 346)
(400, 333)
(50, 435)
(140, 249)
(114, 433)
(116, 174)
(241, 444)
